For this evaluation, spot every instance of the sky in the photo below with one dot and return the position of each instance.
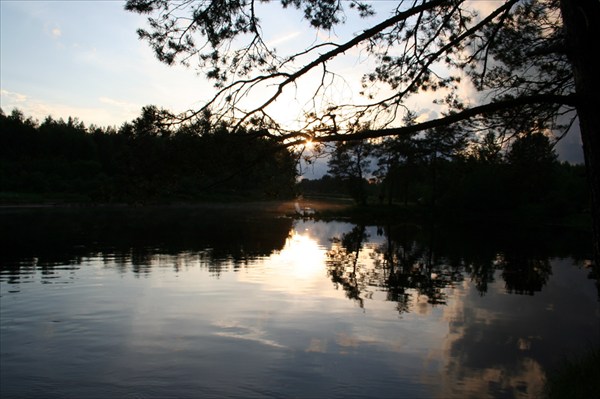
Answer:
(84, 59)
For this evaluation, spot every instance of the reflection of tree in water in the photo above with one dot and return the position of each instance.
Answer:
(415, 263)
(409, 262)
(482, 273)
(402, 268)
(525, 275)
(411, 266)
(142, 261)
(342, 263)
(136, 240)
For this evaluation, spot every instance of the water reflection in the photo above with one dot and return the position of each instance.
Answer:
(501, 346)
(408, 265)
(167, 302)
(135, 239)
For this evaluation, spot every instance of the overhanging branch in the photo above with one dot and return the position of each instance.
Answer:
(323, 58)
(496, 106)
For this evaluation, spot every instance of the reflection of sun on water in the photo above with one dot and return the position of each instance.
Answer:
(303, 255)
(299, 268)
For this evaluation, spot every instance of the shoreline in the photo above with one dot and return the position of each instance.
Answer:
(335, 209)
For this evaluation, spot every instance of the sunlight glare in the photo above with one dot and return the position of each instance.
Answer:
(309, 145)
(304, 255)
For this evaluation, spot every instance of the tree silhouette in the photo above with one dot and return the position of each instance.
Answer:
(530, 62)
(147, 160)
(396, 158)
(532, 160)
(350, 162)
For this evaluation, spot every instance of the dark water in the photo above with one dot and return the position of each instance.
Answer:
(197, 302)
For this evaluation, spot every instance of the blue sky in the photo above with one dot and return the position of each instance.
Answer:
(84, 59)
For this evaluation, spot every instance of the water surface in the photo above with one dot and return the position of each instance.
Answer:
(196, 302)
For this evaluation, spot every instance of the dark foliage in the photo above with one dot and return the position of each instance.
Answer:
(522, 182)
(141, 161)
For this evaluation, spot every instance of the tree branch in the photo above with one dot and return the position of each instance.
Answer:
(344, 47)
(466, 114)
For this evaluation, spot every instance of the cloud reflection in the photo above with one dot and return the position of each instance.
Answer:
(237, 330)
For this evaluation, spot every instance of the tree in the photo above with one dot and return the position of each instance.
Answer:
(142, 161)
(152, 122)
(532, 150)
(533, 164)
(396, 157)
(439, 145)
(488, 151)
(350, 162)
(529, 63)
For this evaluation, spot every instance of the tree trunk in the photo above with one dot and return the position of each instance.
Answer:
(581, 19)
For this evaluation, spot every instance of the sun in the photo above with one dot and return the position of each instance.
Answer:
(309, 145)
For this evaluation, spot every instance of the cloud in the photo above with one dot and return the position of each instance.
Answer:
(12, 97)
(426, 115)
(118, 103)
(570, 148)
(40, 108)
(483, 7)
(283, 39)
(56, 33)
(233, 329)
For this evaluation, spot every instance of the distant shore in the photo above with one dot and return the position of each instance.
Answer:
(325, 208)
(283, 207)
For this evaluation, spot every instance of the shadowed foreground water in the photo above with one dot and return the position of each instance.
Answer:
(196, 302)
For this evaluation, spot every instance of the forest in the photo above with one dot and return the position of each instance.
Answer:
(520, 179)
(149, 161)
(143, 161)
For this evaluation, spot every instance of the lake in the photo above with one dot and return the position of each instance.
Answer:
(219, 302)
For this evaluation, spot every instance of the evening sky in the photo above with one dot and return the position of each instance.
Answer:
(84, 59)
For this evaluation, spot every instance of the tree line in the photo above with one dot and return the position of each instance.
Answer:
(445, 171)
(145, 160)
